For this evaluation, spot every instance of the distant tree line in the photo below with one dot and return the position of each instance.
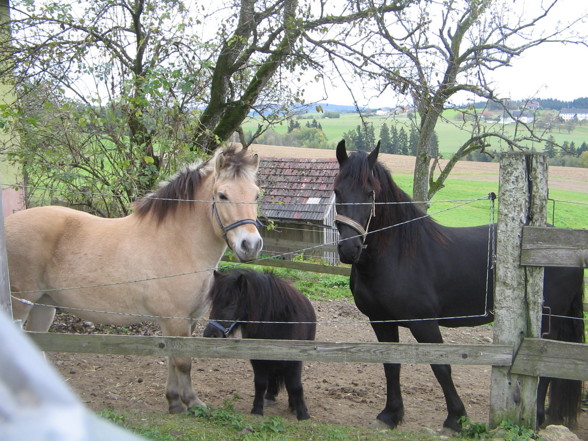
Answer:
(396, 141)
(545, 103)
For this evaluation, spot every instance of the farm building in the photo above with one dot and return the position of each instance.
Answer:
(298, 201)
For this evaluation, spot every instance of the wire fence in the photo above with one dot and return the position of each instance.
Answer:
(459, 203)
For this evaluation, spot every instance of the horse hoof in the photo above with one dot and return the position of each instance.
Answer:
(447, 431)
(380, 425)
(176, 409)
(269, 403)
(196, 403)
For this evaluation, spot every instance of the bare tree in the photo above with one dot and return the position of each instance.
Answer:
(437, 52)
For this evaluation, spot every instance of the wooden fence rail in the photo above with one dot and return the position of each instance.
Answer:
(344, 352)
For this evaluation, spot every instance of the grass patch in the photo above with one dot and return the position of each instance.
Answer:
(224, 423)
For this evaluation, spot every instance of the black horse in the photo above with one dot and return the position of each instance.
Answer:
(249, 301)
(407, 268)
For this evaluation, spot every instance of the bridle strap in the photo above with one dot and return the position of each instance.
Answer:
(351, 223)
(226, 331)
(234, 225)
(357, 226)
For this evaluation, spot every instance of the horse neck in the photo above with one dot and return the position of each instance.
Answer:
(192, 226)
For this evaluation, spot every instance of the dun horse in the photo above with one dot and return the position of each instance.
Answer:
(247, 301)
(155, 263)
(409, 271)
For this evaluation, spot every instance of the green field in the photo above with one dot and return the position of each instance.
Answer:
(450, 129)
(566, 209)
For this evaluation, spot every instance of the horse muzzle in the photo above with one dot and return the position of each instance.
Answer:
(246, 245)
(215, 329)
(350, 250)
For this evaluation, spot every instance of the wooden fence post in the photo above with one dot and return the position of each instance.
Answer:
(522, 200)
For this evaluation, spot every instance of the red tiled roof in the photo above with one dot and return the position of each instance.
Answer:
(294, 188)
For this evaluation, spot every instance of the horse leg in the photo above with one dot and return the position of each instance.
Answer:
(273, 387)
(430, 333)
(260, 381)
(541, 397)
(393, 411)
(40, 318)
(179, 391)
(293, 379)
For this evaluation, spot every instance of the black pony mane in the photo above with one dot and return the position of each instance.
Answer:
(182, 186)
(393, 207)
(263, 298)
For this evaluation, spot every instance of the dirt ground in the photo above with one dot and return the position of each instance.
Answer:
(338, 393)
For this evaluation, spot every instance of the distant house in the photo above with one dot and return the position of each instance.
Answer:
(297, 196)
(517, 116)
(530, 105)
(570, 114)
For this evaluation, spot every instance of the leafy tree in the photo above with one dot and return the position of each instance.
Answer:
(402, 142)
(362, 138)
(120, 92)
(293, 125)
(385, 140)
(413, 141)
(394, 148)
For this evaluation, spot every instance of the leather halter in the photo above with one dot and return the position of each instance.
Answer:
(357, 226)
(225, 330)
(234, 225)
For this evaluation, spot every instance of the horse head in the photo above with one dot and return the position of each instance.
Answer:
(228, 305)
(234, 201)
(355, 200)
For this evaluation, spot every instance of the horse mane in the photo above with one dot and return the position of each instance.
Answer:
(182, 186)
(409, 235)
(264, 298)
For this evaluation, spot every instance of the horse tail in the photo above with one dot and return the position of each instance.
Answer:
(565, 395)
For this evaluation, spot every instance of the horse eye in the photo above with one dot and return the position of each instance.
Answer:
(223, 197)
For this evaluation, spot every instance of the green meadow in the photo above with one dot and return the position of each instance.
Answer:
(451, 130)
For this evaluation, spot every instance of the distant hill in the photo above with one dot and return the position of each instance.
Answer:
(329, 107)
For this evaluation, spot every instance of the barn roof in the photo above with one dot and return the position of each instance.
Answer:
(296, 188)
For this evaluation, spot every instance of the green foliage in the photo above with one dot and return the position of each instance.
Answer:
(299, 136)
(362, 138)
(472, 430)
(507, 431)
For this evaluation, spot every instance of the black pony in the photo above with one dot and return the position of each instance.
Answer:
(248, 300)
(407, 268)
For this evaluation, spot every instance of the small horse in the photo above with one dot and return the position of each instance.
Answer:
(409, 271)
(155, 263)
(247, 300)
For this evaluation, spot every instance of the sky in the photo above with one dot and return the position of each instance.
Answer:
(552, 70)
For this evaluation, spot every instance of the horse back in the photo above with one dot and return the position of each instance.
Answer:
(36, 241)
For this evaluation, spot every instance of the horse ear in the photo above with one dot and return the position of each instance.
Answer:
(255, 161)
(341, 152)
(216, 274)
(373, 156)
(220, 162)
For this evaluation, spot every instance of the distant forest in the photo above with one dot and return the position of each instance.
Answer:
(545, 103)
